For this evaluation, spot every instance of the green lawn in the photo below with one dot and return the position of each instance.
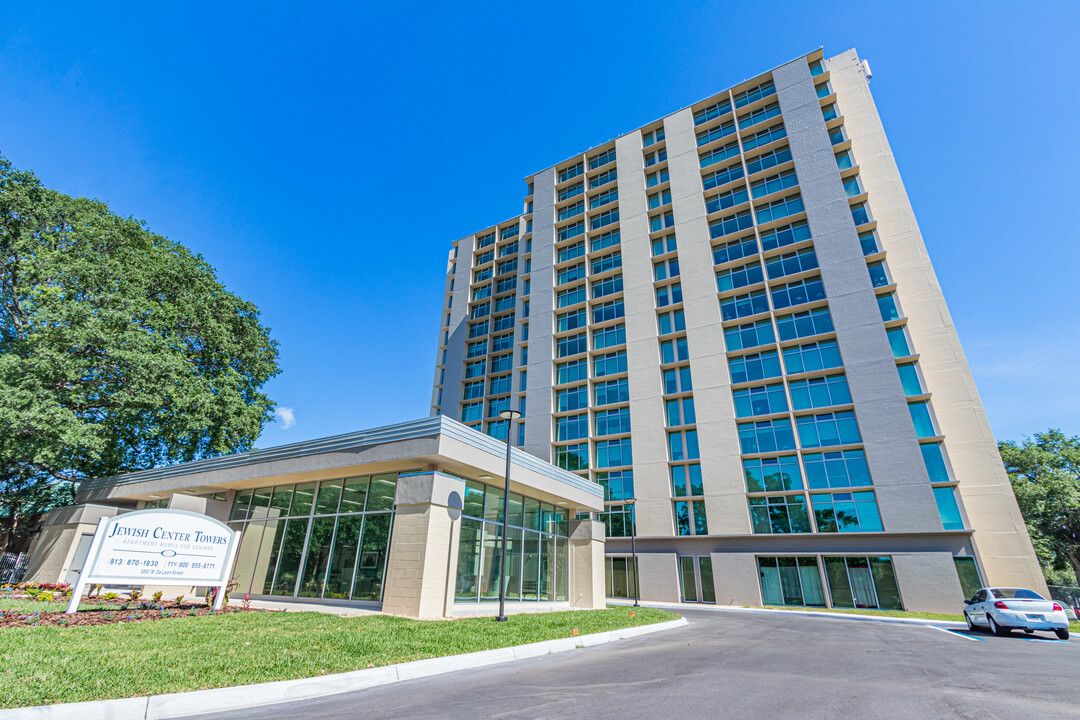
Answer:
(44, 665)
(1074, 627)
(31, 606)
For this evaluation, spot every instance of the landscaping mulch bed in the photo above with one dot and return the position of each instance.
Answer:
(115, 612)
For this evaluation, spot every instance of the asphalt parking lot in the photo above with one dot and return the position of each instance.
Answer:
(741, 665)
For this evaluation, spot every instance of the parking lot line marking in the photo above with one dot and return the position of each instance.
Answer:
(956, 633)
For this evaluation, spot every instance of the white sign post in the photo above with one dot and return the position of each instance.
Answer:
(159, 547)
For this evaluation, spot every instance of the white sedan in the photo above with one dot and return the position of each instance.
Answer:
(1003, 609)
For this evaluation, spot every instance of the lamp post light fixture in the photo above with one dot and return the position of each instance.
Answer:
(633, 544)
(510, 416)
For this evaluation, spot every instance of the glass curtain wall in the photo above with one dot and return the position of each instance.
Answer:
(320, 540)
(853, 582)
(537, 548)
(620, 577)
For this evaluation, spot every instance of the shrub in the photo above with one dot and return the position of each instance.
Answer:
(157, 596)
(134, 595)
(179, 599)
(109, 596)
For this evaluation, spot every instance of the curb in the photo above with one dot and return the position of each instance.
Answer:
(160, 707)
(803, 613)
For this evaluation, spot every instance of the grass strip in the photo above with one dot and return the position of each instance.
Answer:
(45, 665)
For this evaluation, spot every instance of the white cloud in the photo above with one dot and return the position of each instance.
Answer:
(286, 417)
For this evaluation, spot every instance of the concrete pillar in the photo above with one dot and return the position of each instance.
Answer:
(736, 579)
(424, 546)
(659, 577)
(587, 564)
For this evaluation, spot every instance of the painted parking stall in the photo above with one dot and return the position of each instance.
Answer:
(159, 547)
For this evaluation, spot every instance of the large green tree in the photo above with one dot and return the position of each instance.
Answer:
(119, 349)
(1045, 476)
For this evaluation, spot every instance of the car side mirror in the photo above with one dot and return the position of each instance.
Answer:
(967, 602)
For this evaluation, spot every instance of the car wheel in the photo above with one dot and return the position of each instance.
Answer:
(1062, 633)
(971, 625)
(995, 628)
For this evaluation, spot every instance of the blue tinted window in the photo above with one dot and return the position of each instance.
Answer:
(613, 422)
(812, 356)
(761, 400)
(767, 436)
(920, 416)
(775, 474)
(779, 209)
(868, 243)
(798, 293)
(935, 462)
(613, 391)
(572, 371)
(819, 392)
(613, 453)
(804, 324)
(750, 335)
(572, 345)
(572, 399)
(721, 177)
(836, 469)
(898, 342)
(947, 508)
(847, 512)
(779, 514)
(887, 306)
(791, 263)
(573, 427)
(741, 248)
(828, 429)
(744, 305)
(757, 366)
(909, 378)
(731, 224)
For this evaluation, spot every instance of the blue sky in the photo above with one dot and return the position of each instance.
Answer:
(323, 158)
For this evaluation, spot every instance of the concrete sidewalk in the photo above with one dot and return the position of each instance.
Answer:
(803, 613)
(302, 605)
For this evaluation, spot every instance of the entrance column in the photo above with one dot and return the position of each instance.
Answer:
(587, 564)
(422, 566)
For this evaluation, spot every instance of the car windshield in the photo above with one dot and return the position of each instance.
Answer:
(1017, 593)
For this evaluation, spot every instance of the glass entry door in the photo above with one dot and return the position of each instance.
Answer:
(696, 579)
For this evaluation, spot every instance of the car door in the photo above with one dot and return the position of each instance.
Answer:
(977, 609)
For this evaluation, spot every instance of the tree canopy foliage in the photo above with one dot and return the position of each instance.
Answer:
(1045, 476)
(119, 349)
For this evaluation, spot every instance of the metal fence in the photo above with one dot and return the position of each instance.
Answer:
(13, 567)
(1067, 594)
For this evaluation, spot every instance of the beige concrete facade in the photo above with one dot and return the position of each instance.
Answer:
(797, 150)
(406, 561)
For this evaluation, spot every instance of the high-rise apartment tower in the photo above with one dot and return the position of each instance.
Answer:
(729, 315)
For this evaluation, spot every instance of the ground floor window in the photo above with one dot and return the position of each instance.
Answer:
(620, 577)
(968, 572)
(320, 540)
(696, 579)
(862, 582)
(537, 548)
(853, 582)
(790, 581)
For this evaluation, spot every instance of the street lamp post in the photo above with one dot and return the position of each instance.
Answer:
(510, 416)
(633, 544)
